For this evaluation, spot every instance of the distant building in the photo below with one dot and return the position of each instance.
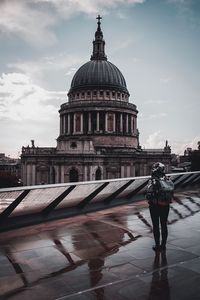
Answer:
(10, 165)
(195, 159)
(99, 137)
(190, 161)
(10, 171)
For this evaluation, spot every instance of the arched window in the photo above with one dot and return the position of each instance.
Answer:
(98, 174)
(73, 175)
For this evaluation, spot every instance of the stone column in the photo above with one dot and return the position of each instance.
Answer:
(56, 174)
(122, 171)
(82, 123)
(68, 120)
(132, 127)
(121, 122)
(62, 174)
(33, 175)
(128, 171)
(65, 128)
(126, 123)
(29, 174)
(89, 123)
(135, 125)
(85, 174)
(74, 121)
(114, 122)
(106, 122)
(91, 173)
(97, 121)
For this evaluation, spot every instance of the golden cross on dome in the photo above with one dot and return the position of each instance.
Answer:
(99, 18)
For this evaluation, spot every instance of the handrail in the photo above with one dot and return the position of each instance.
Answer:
(42, 186)
(21, 206)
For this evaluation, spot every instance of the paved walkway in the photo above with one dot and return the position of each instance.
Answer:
(105, 255)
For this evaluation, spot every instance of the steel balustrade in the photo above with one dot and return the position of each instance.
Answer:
(23, 206)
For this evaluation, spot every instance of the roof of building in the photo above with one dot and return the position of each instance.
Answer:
(98, 73)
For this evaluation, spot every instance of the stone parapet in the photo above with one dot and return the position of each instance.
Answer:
(98, 104)
(38, 150)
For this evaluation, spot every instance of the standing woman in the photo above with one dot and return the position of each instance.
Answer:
(159, 195)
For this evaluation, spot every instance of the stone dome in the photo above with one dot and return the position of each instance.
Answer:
(98, 74)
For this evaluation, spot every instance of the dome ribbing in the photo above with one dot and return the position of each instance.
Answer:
(98, 73)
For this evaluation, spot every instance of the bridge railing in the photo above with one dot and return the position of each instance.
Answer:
(34, 204)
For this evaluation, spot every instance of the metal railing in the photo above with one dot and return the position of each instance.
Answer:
(34, 204)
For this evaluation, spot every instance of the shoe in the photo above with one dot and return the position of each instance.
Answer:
(156, 248)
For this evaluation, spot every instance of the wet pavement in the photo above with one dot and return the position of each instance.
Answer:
(105, 255)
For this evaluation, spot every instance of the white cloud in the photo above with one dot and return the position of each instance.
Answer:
(180, 146)
(63, 61)
(145, 117)
(32, 20)
(151, 101)
(178, 1)
(71, 71)
(165, 80)
(187, 11)
(121, 44)
(136, 60)
(27, 111)
(21, 99)
(155, 141)
(27, 21)
(68, 8)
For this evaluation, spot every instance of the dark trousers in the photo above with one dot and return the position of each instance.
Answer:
(159, 215)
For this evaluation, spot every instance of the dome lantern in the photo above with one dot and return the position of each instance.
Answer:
(98, 43)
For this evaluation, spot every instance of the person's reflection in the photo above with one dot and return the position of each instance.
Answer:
(99, 242)
(95, 266)
(159, 285)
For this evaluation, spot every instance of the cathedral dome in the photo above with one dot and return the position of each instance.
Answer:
(98, 74)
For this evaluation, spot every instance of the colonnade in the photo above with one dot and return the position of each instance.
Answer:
(33, 174)
(98, 122)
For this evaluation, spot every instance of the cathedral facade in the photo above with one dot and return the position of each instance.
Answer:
(99, 138)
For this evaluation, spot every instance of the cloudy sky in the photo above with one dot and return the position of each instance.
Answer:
(155, 44)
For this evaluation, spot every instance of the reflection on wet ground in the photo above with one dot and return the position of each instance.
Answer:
(105, 255)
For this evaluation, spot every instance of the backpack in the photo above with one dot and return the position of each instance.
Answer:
(160, 190)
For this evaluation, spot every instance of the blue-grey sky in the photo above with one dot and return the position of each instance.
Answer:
(155, 44)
